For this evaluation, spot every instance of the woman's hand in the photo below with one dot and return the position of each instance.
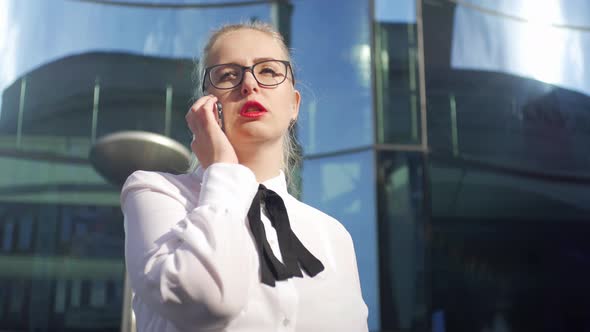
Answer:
(209, 144)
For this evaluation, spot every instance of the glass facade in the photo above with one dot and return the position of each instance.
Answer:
(403, 241)
(397, 87)
(62, 267)
(342, 186)
(71, 73)
(448, 137)
(508, 169)
(336, 86)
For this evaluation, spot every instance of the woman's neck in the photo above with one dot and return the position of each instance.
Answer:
(265, 161)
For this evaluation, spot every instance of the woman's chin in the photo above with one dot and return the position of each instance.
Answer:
(255, 135)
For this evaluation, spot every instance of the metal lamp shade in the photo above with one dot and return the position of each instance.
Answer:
(116, 156)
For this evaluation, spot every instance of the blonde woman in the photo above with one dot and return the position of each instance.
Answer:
(226, 247)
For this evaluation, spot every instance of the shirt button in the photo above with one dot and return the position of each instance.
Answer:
(182, 225)
(286, 322)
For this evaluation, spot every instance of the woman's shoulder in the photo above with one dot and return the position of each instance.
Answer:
(180, 186)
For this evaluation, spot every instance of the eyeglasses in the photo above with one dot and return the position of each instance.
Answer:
(230, 75)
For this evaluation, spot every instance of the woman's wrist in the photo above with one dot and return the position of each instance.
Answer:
(229, 184)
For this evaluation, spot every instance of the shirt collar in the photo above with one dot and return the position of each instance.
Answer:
(277, 184)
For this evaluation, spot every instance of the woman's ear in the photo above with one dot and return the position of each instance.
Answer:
(295, 105)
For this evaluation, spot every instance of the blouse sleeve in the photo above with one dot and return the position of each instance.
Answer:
(190, 265)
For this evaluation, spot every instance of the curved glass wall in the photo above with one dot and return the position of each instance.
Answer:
(332, 49)
(70, 73)
(403, 241)
(478, 228)
(332, 53)
(508, 95)
(342, 187)
(397, 84)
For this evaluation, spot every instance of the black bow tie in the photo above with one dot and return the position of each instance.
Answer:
(292, 250)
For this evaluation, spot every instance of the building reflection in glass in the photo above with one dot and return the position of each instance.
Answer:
(508, 170)
(461, 175)
(72, 72)
(342, 187)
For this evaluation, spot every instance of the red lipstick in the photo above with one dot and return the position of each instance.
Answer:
(252, 109)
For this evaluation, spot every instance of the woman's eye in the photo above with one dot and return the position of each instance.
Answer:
(230, 75)
(268, 71)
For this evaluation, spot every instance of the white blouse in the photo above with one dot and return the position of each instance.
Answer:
(193, 263)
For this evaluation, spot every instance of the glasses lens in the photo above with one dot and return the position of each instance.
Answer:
(225, 76)
(270, 72)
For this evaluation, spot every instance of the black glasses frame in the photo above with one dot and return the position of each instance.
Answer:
(244, 68)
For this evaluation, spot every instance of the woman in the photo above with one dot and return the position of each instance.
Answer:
(212, 250)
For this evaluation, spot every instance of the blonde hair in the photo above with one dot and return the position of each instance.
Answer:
(291, 153)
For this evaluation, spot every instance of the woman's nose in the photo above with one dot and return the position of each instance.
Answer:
(249, 83)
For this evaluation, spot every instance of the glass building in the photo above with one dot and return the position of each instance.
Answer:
(450, 137)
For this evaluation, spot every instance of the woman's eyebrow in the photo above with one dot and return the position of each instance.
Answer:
(256, 60)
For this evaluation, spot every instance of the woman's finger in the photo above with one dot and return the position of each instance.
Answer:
(210, 112)
(200, 102)
(193, 113)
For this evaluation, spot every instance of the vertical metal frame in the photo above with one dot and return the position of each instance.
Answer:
(421, 75)
(377, 176)
(426, 195)
(423, 147)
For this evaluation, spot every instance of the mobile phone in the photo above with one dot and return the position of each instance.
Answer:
(220, 116)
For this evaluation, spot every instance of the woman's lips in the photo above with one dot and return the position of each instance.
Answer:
(252, 110)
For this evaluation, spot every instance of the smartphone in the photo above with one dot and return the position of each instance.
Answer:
(220, 116)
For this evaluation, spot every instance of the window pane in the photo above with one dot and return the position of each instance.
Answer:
(25, 230)
(506, 248)
(403, 242)
(484, 104)
(3, 298)
(76, 293)
(343, 188)
(8, 235)
(70, 73)
(50, 271)
(335, 76)
(60, 296)
(98, 294)
(396, 61)
(509, 174)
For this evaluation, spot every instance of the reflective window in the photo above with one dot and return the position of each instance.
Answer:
(17, 297)
(343, 188)
(98, 294)
(509, 251)
(79, 27)
(76, 293)
(71, 72)
(485, 105)
(334, 74)
(3, 297)
(25, 230)
(402, 241)
(509, 170)
(48, 276)
(7, 235)
(397, 85)
(60, 296)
